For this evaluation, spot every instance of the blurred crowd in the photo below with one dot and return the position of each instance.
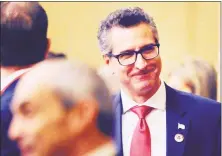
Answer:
(51, 106)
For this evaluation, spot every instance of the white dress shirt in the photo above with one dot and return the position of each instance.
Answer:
(156, 121)
(5, 81)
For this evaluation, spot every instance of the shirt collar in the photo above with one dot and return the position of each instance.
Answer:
(157, 101)
(12, 77)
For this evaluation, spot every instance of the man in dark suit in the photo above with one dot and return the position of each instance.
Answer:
(23, 43)
(153, 119)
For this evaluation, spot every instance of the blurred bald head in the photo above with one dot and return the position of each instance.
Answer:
(23, 33)
(60, 98)
(74, 81)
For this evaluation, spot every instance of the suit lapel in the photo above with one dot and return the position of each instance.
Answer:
(118, 124)
(177, 122)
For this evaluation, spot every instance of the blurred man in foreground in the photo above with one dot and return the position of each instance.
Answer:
(23, 43)
(66, 110)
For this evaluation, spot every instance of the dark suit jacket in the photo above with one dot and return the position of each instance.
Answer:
(201, 117)
(8, 148)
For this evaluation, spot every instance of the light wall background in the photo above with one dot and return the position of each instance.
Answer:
(185, 29)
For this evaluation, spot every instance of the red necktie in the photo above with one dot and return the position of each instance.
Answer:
(141, 141)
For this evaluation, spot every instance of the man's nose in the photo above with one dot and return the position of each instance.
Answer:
(140, 63)
(14, 131)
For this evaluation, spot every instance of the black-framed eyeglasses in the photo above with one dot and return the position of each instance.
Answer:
(129, 57)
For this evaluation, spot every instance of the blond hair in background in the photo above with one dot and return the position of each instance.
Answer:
(196, 76)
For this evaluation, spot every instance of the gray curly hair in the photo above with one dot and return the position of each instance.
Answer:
(125, 17)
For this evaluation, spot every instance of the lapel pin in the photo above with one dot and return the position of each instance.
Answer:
(179, 137)
(181, 126)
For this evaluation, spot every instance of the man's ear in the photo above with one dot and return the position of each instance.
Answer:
(48, 47)
(83, 115)
(106, 59)
(48, 44)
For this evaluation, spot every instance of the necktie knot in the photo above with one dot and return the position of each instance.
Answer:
(141, 111)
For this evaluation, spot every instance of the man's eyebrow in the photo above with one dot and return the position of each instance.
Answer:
(131, 50)
(126, 51)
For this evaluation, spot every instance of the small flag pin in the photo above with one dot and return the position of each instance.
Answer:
(181, 126)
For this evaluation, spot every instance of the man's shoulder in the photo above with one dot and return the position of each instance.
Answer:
(8, 147)
(196, 98)
(7, 95)
(197, 104)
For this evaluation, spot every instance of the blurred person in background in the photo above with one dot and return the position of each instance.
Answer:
(52, 55)
(195, 76)
(110, 79)
(151, 118)
(23, 43)
(67, 109)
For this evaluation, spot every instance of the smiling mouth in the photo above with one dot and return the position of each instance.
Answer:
(151, 69)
